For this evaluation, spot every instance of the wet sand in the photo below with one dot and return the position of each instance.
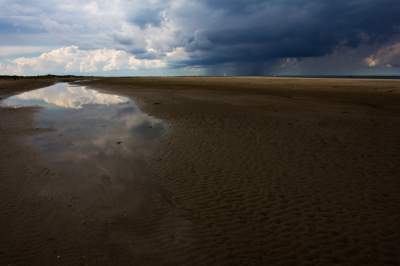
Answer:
(252, 171)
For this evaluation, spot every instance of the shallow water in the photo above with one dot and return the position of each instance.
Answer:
(94, 132)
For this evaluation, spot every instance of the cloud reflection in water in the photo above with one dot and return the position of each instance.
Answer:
(62, 95)
(96, 134)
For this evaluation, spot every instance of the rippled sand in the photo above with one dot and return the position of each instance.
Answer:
(252, 171)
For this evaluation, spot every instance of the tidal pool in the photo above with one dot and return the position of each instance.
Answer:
(96, 134)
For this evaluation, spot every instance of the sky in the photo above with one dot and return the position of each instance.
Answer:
(193, 37)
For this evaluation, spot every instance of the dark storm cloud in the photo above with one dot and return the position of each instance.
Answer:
(124, 40)
(146, 17)
(7, 26)
(137, 51)
(267, 30)
(19, 25)
(149, 55)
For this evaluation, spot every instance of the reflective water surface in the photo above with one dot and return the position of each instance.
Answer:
(95, 133)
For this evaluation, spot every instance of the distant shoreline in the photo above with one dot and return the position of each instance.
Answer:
(266, 76)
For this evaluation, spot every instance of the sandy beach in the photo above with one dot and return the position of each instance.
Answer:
(251, 171)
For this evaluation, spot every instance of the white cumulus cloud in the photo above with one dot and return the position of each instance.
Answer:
(73, 60)
(7, 69)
